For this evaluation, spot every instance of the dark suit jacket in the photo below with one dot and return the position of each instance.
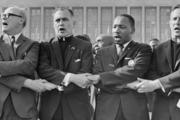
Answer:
(169, 76)
(75, 100)
(114, 75)
(14, 70)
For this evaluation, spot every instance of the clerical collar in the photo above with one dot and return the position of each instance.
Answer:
(64, 38)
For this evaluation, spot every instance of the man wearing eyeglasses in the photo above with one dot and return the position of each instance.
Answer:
(18, 60)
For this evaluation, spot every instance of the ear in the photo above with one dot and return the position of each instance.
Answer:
(132, 30)
(21, 21)
(74, 23)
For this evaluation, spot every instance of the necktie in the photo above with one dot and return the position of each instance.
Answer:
(119, 49)
(12, 44)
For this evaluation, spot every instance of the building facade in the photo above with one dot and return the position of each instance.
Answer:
(94, 17)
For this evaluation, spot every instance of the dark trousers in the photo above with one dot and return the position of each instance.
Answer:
(9, 113)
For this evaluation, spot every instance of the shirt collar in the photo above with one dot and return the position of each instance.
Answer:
(16, 36)
(125, 45)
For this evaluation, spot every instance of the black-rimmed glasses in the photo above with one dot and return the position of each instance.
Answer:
(7, 15)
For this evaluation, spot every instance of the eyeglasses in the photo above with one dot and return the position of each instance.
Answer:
(7, 15)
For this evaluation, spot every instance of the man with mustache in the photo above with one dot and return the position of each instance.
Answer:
(62, 62)
(116, 70)
(165, 74)
(18, 62)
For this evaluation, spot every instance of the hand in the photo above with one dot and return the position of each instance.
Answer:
(147, 85)
(50, 86)
(133, 85)
(39, 85)
(176, 90)
(94, 78)
(80, 80)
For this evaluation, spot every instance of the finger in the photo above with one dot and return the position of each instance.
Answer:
(139, 85)
(140, 79)
(43, 80)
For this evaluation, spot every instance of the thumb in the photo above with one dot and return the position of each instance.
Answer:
(140, 79)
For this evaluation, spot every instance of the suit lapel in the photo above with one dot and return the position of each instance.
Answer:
(168, 53)
(23, 45)
(5, 48)
(127, 49)
(57, 52)
(113, 52)
(69, 52)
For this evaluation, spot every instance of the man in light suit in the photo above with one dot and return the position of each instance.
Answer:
(116, 70)
(165, 73)
(18, 61)
(61, 62)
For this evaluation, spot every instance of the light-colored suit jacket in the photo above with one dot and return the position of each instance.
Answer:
(14, 70)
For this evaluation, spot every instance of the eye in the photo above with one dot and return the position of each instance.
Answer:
(58, 20)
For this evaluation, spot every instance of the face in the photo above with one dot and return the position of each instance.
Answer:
(153, 44)
(63, 23)
(99, 42)
(12, 21)
(122, 30)
(175, 23)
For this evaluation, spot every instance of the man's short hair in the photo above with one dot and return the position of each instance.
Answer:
(176, 7)
(154, 39)
(131, 20)
(63, 9)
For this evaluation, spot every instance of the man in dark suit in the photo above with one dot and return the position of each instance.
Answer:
(18, 61)
(62, 61)
(118, 67)
(165, 73)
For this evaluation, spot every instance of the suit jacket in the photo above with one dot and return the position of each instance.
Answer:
(78, 59)
(114, 75)
(169, 76)
(14, 70)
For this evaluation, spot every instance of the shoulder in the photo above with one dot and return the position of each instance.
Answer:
(30, 41)
(81, 43)
(141, 46)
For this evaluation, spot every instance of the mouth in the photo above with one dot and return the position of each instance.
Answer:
(177, 28)
(116, 35)
(4, 24)
(62, 30)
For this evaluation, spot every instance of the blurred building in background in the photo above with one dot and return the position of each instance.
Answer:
(94, 17)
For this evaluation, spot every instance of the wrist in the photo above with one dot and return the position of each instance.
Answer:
(28, 83)
(156, 84)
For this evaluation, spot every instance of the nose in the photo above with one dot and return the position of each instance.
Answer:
(61, 22)
(178, 21)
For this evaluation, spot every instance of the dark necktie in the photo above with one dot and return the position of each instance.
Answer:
(119, 50)
(12, 44)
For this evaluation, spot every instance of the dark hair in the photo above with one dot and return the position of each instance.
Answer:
(63, 9)
(154, 39)
(131, 20)
(176, 7)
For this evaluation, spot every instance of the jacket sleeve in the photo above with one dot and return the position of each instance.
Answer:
(45, 69)
(127, 73)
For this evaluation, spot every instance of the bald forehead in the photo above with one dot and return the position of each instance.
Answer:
(14, 10)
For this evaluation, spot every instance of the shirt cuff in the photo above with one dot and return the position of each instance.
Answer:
(161, 86)
(66, 81)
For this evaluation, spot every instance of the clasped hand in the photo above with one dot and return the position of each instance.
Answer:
(84, 80)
